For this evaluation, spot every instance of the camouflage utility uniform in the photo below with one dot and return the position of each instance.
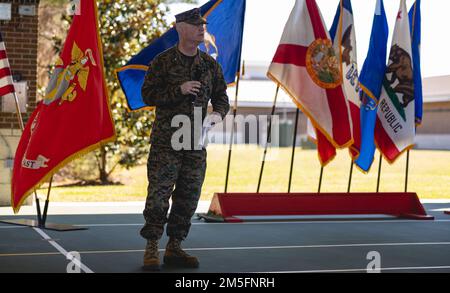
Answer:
(184, 169)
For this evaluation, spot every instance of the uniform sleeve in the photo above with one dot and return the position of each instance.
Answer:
(156, 91)
(219, 98)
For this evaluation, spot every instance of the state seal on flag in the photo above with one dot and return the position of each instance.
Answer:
(322, 64)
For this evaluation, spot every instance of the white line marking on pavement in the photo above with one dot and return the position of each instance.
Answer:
(280, 222)
(29, 254)
(321, 246)
(274, 247)
(64, 252)
(59, 248)
(360, 270)
(263, 223)
(440, 210)
(327, 222)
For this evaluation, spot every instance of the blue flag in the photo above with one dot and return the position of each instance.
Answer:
(371, 80)
(346, 4)
(223, 41)
(414, 22)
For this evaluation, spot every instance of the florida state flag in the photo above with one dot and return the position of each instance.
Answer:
(74, 117)
(307, 68)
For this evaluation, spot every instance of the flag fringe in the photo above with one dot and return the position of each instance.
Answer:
(128, 108)
(368, 93)
(56, 169)
(105, 87)
(397, 156)
(313, 121)
(144, 68)
(322, 163)
(389, 161)
(352, 148)
(362, 170)
(212, 8)
(88, 148)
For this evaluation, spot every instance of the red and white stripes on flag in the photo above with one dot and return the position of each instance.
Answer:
(306, 67)
(6, 81)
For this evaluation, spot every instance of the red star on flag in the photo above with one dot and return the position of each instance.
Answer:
(399, 15)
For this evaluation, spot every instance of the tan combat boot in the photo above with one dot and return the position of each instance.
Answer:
(151, 256)
(176, 256)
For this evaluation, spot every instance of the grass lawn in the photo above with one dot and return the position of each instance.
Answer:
(429, 175)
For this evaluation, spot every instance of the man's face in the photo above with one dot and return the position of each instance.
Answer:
(195, 33)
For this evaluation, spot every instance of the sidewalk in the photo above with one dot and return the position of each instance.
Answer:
(103, 208)
(91, 208)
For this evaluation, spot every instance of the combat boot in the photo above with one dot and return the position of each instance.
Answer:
(151, 256)
(176, 256)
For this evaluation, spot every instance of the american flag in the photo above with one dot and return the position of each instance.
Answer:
(6, 81)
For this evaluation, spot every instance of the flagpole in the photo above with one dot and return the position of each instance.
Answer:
(320, 179)
(268, 137)
(41, 218)
(379, 173)
(407, 171)
(22, 127)
(19, 114)
(294, 139)
(350, 176)
(232, 129)
(44, 216)
(407, 152)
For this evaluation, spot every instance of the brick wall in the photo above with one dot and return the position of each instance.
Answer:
(20, 35)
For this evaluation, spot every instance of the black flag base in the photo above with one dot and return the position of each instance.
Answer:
(46, 226)
(210, 217)
(41, 221)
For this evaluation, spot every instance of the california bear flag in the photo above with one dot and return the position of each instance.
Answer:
(395, 126)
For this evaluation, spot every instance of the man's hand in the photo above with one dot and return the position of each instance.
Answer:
(212, 119)
(190, 87)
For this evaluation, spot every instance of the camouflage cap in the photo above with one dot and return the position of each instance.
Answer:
(192, 16)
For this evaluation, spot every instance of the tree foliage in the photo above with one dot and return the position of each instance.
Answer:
(126, 27)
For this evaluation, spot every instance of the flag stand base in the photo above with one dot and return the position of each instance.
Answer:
(227, 207)
(46, 226)
(41, 221)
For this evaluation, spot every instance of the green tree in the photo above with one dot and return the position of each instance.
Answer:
(126, 27)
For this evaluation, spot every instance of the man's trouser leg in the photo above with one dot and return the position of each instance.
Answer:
(162, 171)
(187, 193)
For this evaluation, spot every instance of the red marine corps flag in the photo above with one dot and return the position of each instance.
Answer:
(74, 117)
(305, 65)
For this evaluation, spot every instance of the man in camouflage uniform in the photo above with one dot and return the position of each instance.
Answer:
(180, 81)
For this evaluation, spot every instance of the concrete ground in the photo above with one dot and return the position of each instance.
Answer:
(332, 244)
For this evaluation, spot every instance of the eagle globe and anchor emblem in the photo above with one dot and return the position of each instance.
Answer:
(62, 87)
(323, 65)
(64, 80)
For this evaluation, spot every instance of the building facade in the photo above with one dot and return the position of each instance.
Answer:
(256, 97)
(19, 28)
